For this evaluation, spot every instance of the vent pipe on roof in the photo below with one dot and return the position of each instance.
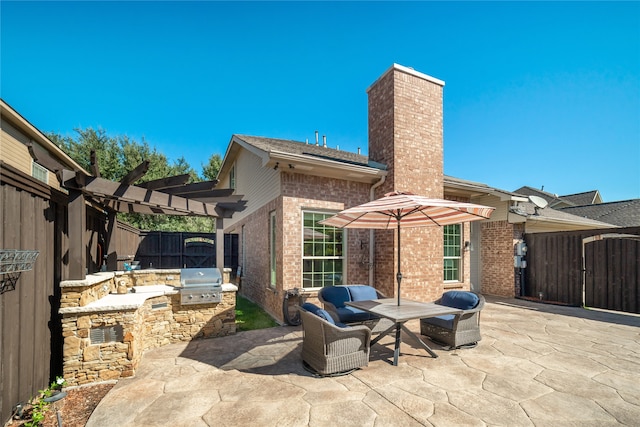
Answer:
(358, 150)
(316, 138)
(324, 141)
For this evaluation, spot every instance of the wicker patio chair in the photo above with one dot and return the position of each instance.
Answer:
(459, 330)
(328, 349)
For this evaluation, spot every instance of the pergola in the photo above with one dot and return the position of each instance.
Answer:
(166, 196)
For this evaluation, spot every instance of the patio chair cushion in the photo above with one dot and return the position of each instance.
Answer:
(445, 321)
(362, 292)
(351, 315)
(336, 295)
(323, 314)
(460, 299)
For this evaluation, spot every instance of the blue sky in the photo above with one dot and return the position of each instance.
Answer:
(540, 93)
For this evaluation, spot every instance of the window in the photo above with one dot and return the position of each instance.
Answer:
(272, 247)
(232, 177)
(452, 252)
(323, 255)
(244, 253)
(39, 172)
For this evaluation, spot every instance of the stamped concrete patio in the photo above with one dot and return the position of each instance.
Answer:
(537, 365)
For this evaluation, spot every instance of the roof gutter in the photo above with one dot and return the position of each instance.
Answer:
(372, 235)
(306, 159)
(533, 218)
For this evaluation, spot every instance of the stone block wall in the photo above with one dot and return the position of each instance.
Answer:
(84, 362)
(158, 321)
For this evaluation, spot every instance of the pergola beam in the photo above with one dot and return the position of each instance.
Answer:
(95, 167)
(164, 183)
(128, 198)
(136, 173)
(192, 189)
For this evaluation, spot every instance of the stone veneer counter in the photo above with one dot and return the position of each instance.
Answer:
(129, 301)
(109, 319)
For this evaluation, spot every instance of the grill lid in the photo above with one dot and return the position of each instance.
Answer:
(200, 276)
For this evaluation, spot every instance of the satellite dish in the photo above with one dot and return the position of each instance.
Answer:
(538, 201)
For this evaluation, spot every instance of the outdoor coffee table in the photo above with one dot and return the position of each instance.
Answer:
(400, 314)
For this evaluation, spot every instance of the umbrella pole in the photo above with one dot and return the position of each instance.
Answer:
(399, 274)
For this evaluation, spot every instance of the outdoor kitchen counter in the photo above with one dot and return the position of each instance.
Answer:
(132, 300)
(128, 301)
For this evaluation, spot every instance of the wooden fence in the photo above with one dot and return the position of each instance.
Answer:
(611, 275)
(163, 249)
(32, 215)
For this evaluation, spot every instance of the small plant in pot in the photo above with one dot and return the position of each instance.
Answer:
(54, 392)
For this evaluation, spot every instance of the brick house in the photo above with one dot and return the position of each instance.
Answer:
(290, 186)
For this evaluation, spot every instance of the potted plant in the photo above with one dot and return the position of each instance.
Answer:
(54, 392)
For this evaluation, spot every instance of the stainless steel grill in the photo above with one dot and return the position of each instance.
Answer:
(200, 286)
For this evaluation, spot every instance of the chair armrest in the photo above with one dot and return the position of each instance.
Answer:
(467, 315)
(332, 310)
(477, 308)
(353, 337)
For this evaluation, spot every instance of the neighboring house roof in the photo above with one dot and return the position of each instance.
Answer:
(553, 199)
(471, 188)
(586, 198)
(523, 208)
(550, 215)
(624, 213)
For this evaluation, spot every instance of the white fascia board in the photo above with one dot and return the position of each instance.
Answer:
(279, 156)
(227, 161)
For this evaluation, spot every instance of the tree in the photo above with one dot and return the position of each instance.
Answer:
(211, 169)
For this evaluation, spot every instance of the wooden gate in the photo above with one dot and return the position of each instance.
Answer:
(611, 272)
(199, 252)
(601, 272)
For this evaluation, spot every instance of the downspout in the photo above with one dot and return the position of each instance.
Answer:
(372, 196)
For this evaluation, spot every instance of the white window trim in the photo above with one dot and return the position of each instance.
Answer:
(39, 168)
(344, 256)
(273, 259)
(232, 177)
(459, 258)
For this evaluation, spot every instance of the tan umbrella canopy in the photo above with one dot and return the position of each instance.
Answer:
(403, 209)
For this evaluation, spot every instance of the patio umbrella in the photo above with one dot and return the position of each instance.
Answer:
(403, 209)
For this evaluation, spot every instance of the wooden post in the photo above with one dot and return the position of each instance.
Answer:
(77, 228)
(219, 244)
(111, 242)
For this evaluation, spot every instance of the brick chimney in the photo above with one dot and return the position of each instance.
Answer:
(405, 133)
